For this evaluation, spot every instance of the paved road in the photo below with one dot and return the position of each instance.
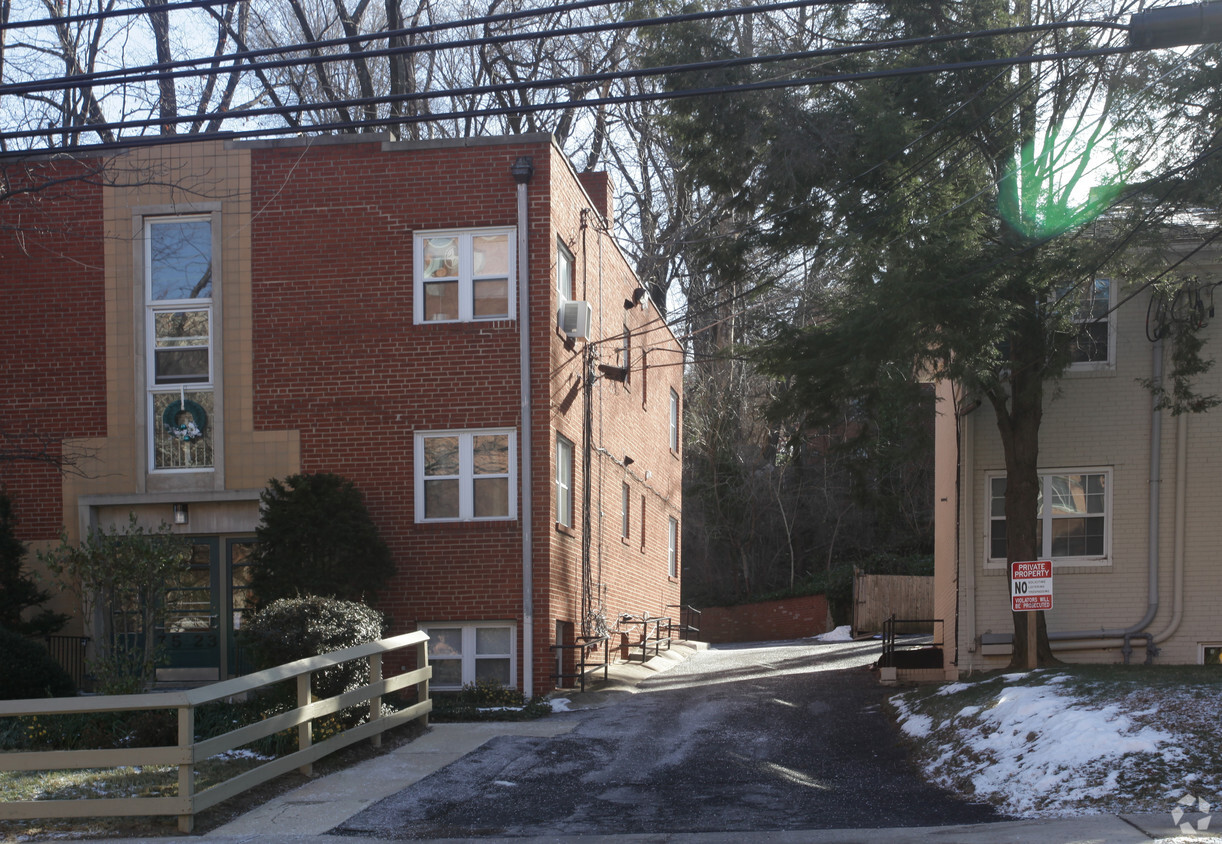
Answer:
(782, 736)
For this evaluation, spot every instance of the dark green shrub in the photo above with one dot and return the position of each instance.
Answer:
(28, 671)
(294, 628)
(18, 590)
(487, 700)
(316, 537)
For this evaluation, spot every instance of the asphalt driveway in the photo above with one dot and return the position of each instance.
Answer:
(776, 736)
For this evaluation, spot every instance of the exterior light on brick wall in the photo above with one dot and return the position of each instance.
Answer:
(523, 169)
(181, 515)
(613, 373)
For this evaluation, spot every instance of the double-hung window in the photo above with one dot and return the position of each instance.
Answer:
(564, 273)
(463, 276)
(672, 548)
(1093, 345)
(179, 332)
(625, 507)
(674, 421)
(465, 475)
(470, 653)
(1073, 517)
(564, 481)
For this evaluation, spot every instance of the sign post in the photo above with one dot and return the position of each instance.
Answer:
(1031, 591)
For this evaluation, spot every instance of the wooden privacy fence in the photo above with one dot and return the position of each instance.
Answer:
(878, 597)
(186, 803)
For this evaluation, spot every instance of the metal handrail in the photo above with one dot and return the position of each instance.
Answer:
(891, 643)
(685, 619)
(584, 646)
(658, 623)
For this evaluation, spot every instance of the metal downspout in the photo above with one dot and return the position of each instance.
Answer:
(522, 171)
(1078, 640)
(1181, 499)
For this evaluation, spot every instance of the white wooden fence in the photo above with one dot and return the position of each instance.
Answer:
(188, 751)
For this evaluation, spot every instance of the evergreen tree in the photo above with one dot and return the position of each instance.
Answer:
(316, 537)
(18, 591)
(955, 205)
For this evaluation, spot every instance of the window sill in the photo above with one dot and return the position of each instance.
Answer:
(1090, 370)
(671, 578)
(1097, 565)
(565, 530)
(625, 541)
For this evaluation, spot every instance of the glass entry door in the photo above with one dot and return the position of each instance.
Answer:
(191, 635)
(204, 613)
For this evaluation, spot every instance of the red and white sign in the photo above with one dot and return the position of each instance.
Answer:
(1031, 586)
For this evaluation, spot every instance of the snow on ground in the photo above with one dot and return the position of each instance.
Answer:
(840, 634)
(1033, 747)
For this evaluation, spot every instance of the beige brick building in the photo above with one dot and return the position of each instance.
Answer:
(1131, 512)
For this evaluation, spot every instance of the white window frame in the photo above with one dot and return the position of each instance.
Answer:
(466, 474)
(469, 655)
(154, 307)
(672, 548)
(625, 511)
(466, 276)
(1047, 517)
(564, 271)
(1080, 322)
(564, 481)
(674, 421)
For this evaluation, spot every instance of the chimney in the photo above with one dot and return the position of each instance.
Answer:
(598, 185)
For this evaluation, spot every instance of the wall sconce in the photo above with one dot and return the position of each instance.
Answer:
(613, 373)
(628, 461)
(181, 516)
(637, 296)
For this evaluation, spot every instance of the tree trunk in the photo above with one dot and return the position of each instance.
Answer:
(1019, 415)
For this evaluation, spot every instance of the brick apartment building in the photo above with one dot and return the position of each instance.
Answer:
(450, 325)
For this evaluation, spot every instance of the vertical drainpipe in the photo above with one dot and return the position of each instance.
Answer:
(522, 170)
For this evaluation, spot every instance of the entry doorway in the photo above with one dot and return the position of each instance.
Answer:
(205, 611)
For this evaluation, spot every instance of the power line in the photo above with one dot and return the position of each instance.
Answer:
(165, 71)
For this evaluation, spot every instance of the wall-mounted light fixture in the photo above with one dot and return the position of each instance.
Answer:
(628, 461)
(637, 296)
(181, 515)
(613, 373)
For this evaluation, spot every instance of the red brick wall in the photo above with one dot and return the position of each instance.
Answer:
(629, 420)
(52, 332)
(790, 618)
(337, 357)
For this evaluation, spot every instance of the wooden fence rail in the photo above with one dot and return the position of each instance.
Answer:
(188, 751)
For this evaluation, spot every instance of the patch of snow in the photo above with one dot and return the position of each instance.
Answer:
(953, 688)
(917, 726)
(843, 633)
(242, 753)
(560, 704)
(1038, 750)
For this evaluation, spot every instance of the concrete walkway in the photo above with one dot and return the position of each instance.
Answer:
(308, 813)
